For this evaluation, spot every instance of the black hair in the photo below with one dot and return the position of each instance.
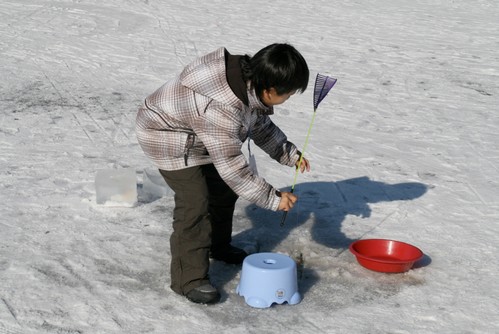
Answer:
(278, 66)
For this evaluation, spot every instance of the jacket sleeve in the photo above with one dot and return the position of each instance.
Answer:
(273, 141)
(220, 136)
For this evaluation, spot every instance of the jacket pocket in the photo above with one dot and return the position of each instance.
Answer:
(174, 143)
(189, 143)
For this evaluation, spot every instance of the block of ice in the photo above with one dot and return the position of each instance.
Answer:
(154, 186)
(116, 187)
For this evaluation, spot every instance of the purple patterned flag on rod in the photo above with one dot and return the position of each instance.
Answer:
(323, 85)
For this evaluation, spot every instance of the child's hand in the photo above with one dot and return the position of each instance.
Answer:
(304, 166)
(288, 200)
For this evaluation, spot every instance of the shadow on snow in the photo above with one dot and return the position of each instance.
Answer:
(324, 205)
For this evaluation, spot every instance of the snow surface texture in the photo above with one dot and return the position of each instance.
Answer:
(405, 147)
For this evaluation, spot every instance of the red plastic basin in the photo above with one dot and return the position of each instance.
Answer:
(387, 256)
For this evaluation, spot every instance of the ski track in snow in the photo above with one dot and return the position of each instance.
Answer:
(405, 147)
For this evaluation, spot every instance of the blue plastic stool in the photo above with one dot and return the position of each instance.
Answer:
(268, 278)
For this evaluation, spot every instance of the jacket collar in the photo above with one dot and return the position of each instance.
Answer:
(206, 76)
(256, 104)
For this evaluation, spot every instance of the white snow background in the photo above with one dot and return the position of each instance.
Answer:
(405, 147)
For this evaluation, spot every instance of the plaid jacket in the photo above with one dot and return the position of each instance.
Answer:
(196, 119)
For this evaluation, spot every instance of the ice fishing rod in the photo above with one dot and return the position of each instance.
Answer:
(323, 85)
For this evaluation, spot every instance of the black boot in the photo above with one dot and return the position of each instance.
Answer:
(205, 294)
(229, 254)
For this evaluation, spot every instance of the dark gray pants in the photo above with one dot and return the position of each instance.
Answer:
(202, 220)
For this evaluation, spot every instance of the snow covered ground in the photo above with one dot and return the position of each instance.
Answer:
(406, 147)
